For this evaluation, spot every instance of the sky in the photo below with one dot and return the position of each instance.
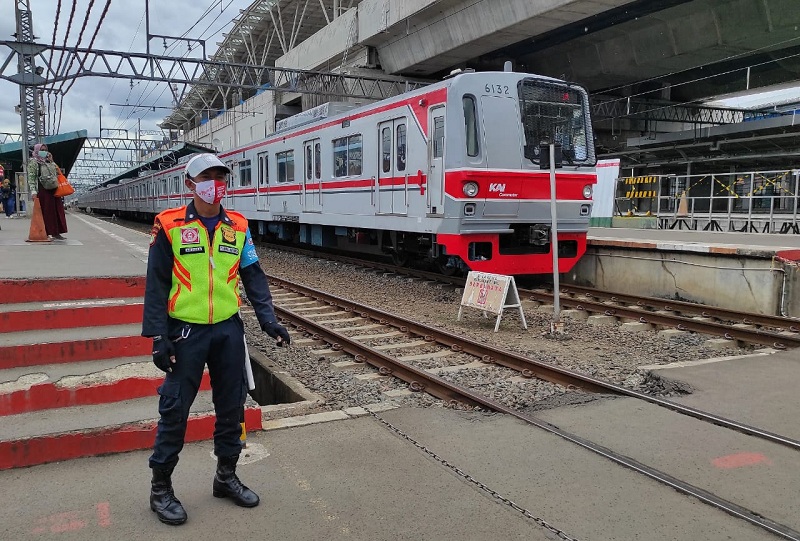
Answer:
(123, 30)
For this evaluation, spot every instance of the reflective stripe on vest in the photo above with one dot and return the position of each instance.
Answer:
(205, 278)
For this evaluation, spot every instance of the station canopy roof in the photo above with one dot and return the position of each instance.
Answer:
(65, 148)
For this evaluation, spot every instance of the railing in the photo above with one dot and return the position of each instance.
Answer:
(758, 201)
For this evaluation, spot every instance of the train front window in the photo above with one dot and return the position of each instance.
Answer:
(471, 125)
(556, 113)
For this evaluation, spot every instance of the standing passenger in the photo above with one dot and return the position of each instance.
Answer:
(198, 253)
(7, 194)
(42, 184)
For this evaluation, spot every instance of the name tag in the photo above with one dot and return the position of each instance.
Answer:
(193, 250)
(229, 249)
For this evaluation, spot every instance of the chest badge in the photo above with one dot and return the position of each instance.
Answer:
(190, 235)
(228, 235)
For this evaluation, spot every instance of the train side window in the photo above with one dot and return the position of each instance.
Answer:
(354, 155)
(245, 173)
(401, 147)
(285, 162)
(386, 149)
(231, 179)
(471, 125)
(347, 156)
(309, 163)
(317, 161)
(263, 169)
(438, 137)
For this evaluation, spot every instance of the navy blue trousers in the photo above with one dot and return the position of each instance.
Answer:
(221, 347)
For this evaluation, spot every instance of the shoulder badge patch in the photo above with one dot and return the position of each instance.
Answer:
(154, 232)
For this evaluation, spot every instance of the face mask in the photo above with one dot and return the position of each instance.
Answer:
(210, 191)
(42, 153)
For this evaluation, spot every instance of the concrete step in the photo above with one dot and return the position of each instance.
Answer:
(79, 384)
(66, 289)
(79, 431)
(15, 317)
(31, 348)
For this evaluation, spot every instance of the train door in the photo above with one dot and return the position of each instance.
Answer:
(312, 173)
(392, 176)
(502, 143)
(262, 188)
(436, 160)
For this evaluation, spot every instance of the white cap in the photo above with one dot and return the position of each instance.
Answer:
(201, 162)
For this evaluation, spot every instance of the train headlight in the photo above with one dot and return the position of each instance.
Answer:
(471, 189)
(587, 191)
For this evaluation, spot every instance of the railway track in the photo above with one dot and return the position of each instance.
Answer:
(758, 329)
(350, 328)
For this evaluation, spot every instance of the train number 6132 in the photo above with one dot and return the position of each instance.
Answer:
(496, 89)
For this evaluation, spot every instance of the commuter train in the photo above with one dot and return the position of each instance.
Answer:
(456, 173)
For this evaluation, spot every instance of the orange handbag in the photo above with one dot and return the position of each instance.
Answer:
(64, 187)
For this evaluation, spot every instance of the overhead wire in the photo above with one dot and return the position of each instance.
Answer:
(145, 97)
(147, 88)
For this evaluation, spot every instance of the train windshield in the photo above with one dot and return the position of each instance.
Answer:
(556, 113)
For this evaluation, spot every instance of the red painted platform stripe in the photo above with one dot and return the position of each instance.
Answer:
(103, 441)
(70, 289)
(75, 351)
(49, 396)
(68, 318)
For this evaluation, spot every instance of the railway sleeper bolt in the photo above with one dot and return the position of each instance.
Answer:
(681, 327)
(747, 321)
(336, 347)
(416, 387)
(359, 358)
(316, 336)
(487, 359)
(385, 371)
(403, 328)
(428, 338)
(610, 312)
(642, 319)
(526, 373)
(794, 329)
(779, 345)
(456, 348)
(727, 336)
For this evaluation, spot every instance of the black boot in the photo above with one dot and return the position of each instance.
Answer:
(227, 484)
(162, 499)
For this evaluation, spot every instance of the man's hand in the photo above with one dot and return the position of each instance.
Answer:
(163, 353)
(278, 332)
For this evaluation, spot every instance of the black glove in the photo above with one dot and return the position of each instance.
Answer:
(277, 331)
(163, 353)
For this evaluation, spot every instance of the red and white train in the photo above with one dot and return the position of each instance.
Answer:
(456, 172)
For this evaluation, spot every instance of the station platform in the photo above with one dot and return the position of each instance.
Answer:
(754, 245)
(385, 471)
(752, 272)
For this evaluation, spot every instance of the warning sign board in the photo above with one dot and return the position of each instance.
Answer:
(490, 293)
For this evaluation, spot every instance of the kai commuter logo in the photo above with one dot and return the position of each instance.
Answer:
(497, 187)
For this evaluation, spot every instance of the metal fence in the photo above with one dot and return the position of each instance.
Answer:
(758, 201)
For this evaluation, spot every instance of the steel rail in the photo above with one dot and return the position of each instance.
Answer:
(684, 307)
(420, 380)
(752, 336)
(528, 367)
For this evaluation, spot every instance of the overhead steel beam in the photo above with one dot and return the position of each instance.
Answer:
(195, 71)
(604, 108)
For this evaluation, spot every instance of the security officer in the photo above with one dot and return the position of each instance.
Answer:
(191, 310)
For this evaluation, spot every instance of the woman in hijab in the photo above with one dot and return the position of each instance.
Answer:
(42, 183)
